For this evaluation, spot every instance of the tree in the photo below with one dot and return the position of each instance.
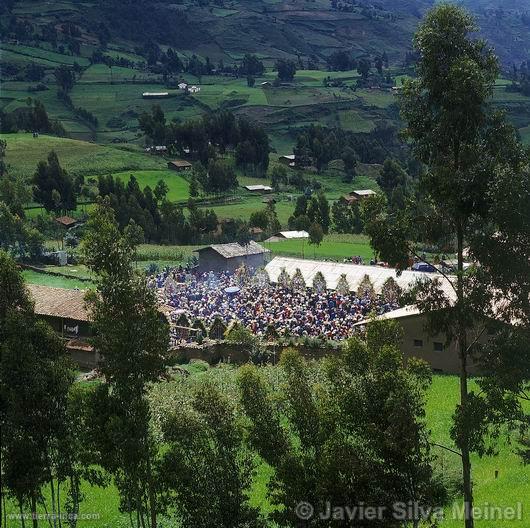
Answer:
(54, 187)
(251, 81)
(286, 70)
(349, 158)
(132, 340)
(14, 190)
(470, 153)
(278, 176)
(35, 377)
(363, 67)
(316, 235)
(161, 190)
(346, 216)
(395, 183)
(251, 65)
(221, 177)
(64, 77)
(318, 211)
(194, 186)
(205, 464)
(318, 441)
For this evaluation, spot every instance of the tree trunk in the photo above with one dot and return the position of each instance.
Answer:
(462, 345)
(52, 491)
(35, 521)
(59, 522)
(151, 494)
(21, 514)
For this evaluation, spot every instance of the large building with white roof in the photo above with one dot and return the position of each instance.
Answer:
(354, 273)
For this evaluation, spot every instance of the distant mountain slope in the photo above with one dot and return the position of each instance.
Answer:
(227, 29)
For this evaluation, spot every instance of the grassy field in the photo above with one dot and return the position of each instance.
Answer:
(333, 247)
(33, 277)
(178, 186)
(77, 157)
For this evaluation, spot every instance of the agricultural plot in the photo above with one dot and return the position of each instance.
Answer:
(333, 247)
(28, 54)
(178, 186)
(77, 157)
(118, 106)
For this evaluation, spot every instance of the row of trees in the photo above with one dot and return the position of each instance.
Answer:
(203, 139)
(158, 219)
(318, 145)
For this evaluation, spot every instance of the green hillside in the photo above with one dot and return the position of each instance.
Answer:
(79, 158)
(48, 35)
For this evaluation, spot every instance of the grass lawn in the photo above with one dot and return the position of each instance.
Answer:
(333, 247)
(77, 157)
(33, 277)
(178, 186)
(513, 482)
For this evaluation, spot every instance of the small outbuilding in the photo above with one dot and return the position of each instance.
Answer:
(289, 160)
(179, 165)
(288, 235)
(358, 195)
(66, 221)
(229, 257)
(258, 188)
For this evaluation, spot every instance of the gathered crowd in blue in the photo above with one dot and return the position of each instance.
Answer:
(256, 303)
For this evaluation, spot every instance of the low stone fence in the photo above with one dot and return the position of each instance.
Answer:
(221, 351)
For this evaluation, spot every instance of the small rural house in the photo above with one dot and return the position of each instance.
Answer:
(182, 85)
(258, 188)
(288, 235)
(357, 196)
(65, 311)
(179, 165)
(194, 89)
(288, 160)
(229, 257)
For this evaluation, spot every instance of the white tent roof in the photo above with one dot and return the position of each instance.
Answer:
(354, 273)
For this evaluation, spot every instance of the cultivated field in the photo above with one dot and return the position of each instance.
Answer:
(77, 157)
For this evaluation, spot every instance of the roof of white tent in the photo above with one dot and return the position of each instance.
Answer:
(354, 273)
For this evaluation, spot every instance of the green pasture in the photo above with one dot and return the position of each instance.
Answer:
(178, 186)
(118, 106)
(333, 247)
(101, 73)
(34, 277)
(78, 157)
(28, 54)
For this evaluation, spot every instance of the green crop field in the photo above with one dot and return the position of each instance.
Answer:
(77, 157)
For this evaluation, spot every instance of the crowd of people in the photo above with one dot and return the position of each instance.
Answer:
(260, 305)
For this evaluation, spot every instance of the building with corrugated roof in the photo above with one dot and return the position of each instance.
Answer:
(229, 257)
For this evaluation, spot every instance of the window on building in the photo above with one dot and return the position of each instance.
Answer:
(418, 343)
(438, 347)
